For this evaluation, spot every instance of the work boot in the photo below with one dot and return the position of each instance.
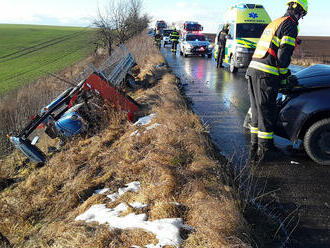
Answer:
(253, 154)
(269, 154)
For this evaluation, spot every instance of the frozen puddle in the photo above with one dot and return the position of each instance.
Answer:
(167, 231)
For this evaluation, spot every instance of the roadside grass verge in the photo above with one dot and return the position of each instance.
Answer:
(28, 52)
(180, 173)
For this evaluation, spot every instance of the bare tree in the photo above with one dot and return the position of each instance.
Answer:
(120, 21)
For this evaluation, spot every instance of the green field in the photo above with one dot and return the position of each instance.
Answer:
(28, 52)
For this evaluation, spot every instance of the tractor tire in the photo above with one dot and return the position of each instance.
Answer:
(317, 142)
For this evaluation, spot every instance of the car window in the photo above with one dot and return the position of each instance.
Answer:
(250, 30)
(195, 37)
(167, 32)
(232, 31)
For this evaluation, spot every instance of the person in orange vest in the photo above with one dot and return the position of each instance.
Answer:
(267, 73)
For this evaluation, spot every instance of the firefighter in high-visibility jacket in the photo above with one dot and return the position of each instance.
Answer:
(267, 73)
(174, 36)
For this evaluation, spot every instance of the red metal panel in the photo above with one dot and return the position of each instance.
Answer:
(109, 93)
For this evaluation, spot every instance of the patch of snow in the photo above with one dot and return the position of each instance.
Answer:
(144, 120)
(167, 231)
(101, 191)
(138, 205)
(135, 133)
(130, 187)
(152, 127)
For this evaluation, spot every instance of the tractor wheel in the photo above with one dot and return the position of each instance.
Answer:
(317, 142)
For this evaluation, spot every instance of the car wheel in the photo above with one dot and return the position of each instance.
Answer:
(184, 53)
(181, 53)
(317, 142)
(232, 67)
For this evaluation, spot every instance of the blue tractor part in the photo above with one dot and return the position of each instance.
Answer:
(70, 124)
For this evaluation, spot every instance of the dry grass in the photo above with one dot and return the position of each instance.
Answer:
(175, 163)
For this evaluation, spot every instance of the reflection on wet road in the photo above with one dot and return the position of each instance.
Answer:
(221, 100)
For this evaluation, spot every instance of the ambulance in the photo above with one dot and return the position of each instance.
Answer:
(246, 24)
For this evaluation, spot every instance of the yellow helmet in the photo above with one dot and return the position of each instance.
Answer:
(302, 3)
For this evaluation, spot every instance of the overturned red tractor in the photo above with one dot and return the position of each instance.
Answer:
(74, 111)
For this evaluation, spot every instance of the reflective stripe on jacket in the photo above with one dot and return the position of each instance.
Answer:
(174, 36)
(275, 47)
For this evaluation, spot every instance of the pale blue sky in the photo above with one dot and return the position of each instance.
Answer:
(208, 12)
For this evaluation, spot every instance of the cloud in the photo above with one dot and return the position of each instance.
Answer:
(32, 12)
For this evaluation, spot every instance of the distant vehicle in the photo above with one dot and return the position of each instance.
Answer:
(191, 27)
(304, 113)
(246, 25)
(166, 36)
(160, 26)
(195, 44)
(151, 32)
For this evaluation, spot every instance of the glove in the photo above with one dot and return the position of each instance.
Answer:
(288, 84)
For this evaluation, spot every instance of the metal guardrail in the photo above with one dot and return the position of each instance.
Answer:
(114, 69)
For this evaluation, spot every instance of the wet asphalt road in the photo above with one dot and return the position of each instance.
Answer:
(301, 187)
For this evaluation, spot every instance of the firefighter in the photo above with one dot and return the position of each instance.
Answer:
(174, 36)
(158, 39)
(222, 45)
(267, 73)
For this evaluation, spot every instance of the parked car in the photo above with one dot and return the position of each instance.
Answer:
(304, 113)
(166, 36)
(195, 44)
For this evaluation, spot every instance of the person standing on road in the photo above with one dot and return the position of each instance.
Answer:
(158, 40)
(267, 73)
(222, 45)
(174, 36)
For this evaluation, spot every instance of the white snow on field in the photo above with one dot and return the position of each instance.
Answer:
(145, 120)
(137, 133)
(152, 127)
(101, 191)
(130, 187)
(138, 205)
(167, 231)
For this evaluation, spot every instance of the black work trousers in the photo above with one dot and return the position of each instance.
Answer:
(263, 93)
(174, 45)
(221, 53)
